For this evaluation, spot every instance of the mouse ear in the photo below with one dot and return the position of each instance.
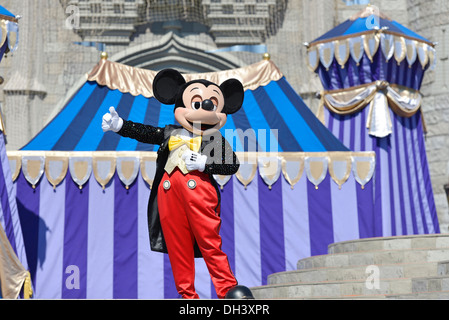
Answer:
(166, 85)
(233, 93)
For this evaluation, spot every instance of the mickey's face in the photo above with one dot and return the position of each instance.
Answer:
(203, 106)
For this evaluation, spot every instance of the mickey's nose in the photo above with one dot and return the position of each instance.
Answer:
(208, 105)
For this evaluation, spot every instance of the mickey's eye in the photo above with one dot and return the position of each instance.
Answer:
(196, 105)
(215, 102)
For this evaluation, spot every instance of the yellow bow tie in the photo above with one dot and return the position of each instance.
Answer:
(194, 144)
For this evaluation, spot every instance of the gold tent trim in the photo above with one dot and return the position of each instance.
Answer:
(394, 45)
(370, 32)
(291, 165)
(365, 13)
(403, 101)
(13, 19)
(137, 81)
(9, 31)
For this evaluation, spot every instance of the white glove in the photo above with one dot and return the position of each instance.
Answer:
(194, 161)
(111, 121)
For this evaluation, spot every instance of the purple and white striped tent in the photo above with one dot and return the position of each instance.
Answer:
(371, 68)
(83, 199)
(13, 260)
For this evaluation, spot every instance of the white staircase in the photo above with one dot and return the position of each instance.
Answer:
(405, 267)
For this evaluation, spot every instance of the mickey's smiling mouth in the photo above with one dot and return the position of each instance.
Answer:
(202, 126)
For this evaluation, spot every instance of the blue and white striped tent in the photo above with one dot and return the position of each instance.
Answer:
(270, 103)
(83, 194)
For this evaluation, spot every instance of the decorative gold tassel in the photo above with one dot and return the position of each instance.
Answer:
(27, 289)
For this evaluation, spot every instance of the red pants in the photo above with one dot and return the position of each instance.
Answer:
(189, 211)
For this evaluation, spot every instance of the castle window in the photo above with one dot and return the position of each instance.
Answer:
(95, 8)
(250, 9)
(228, 9)
(119, 8)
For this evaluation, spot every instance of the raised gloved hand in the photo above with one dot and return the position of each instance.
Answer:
(111, 121)
(194, 161)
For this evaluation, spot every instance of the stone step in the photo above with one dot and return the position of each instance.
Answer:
(409, 267)
(438, 295)
(443, 268)
(352, 289)
(377, 258)
(433, 241)
(430, 284)
(441, 295)
(436, 287)
(386, 271)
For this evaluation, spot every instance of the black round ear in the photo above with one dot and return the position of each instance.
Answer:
(233, 94)
(166, 85)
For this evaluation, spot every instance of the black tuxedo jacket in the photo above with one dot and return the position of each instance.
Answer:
(225, 163)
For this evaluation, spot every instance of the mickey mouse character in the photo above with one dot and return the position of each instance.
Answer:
(184, 206)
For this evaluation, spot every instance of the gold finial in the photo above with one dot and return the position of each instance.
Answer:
(104, 55)
(266, 56)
